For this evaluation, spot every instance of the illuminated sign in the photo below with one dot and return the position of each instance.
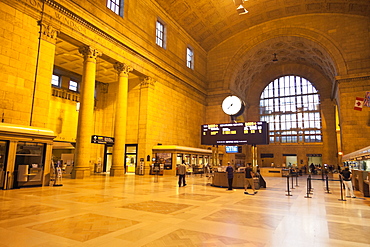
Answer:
(102, 139)
(252, 133)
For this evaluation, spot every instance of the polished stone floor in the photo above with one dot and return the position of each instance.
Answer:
(134, 211)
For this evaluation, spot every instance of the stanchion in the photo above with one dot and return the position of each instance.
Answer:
(292, 181)
(296, 180)
(327, 185)
(309, 183)
(287, 180)
(308, 187)
(341, 189)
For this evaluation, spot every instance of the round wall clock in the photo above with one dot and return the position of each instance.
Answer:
(233, 105)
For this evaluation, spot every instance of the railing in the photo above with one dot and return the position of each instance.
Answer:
(65, 94)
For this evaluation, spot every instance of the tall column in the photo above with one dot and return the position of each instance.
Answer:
(145, 140)
(85, 126)
(120, 122)
(44, 70)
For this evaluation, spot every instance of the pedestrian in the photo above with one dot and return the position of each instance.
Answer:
(347, 180)
(182, 172)
(230, 175)
(249, 181)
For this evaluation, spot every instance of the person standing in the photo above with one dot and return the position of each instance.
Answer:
(249, 181)
(182, 172)
(347, 180)
(230, 175)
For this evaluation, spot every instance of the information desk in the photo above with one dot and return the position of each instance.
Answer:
(220, 180)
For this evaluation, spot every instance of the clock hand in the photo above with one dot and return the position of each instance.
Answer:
(230, 106)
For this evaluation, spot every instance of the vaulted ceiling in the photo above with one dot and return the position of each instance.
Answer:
(210, 22)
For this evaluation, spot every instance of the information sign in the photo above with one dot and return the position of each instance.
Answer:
(252, 133)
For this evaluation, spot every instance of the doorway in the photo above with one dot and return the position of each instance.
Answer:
(3, 159)
(131, 158)
(108, 156)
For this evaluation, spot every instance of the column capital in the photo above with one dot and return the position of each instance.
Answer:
(89, 52)
(48, 32)
(122, 67)
(148, 81)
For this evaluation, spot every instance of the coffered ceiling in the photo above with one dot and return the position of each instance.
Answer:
(210, 22)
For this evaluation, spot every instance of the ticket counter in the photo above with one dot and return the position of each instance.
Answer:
(220, 180)
(25, 156)
(197, 159)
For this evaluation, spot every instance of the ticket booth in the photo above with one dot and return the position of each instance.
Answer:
(25, 156)
(172, 156)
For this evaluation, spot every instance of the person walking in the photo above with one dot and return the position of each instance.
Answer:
(230, 175)
(249, 181)
(347, 180)
(182, 172)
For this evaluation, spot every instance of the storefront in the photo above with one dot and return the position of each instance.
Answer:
(358, 160)
(197, 159)
(25, 156)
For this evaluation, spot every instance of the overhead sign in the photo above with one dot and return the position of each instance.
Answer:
(102, 139)
(251, 133)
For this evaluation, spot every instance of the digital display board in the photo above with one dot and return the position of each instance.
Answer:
(233, 149)
(252, 133)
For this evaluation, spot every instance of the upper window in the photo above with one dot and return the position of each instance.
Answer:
(189, 58)
(55, 80)
(73, 86)
(291, 106)
(116, 6)
(160, 34)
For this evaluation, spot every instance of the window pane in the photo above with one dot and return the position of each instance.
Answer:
(73, 86)
(116, 6)
(189, 58)
(294, 105)
(160, 34)
(55, 80)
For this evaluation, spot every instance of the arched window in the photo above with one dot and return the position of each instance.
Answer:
(291, 106)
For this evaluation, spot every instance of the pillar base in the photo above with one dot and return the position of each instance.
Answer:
(117, 172)
(80, 173)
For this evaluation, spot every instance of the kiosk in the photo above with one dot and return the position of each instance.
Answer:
(25, 156)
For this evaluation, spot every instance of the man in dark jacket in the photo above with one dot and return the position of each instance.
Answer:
(249, 181)
(230, 175)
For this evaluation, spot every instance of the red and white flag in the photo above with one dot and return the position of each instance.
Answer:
(359, 103)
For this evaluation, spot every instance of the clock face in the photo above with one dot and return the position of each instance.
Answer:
(232, 105)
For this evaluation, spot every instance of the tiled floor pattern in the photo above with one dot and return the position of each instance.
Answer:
(136, 211)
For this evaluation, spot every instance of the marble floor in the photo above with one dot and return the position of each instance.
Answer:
(134, 211)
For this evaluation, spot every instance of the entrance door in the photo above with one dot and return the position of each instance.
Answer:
(131, 158)
(108, 151)
(3, 152)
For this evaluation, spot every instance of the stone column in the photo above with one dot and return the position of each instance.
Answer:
(145, 141)
(85, 127)
(44, 71)
(120, 122)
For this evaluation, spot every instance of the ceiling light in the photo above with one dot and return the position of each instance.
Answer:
(275, 58)
(241, 10)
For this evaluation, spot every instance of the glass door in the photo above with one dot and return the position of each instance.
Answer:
(131, 158)
(108, 158)
(29, 164)
(3, 175)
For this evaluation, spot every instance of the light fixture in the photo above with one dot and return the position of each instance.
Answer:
(241, 10)
(274, 59)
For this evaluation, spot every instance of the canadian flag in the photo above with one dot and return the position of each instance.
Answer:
(359, 103)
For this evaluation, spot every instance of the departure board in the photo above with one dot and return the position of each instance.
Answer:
(252, 133)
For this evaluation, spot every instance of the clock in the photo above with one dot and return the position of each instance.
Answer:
(233, 105)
